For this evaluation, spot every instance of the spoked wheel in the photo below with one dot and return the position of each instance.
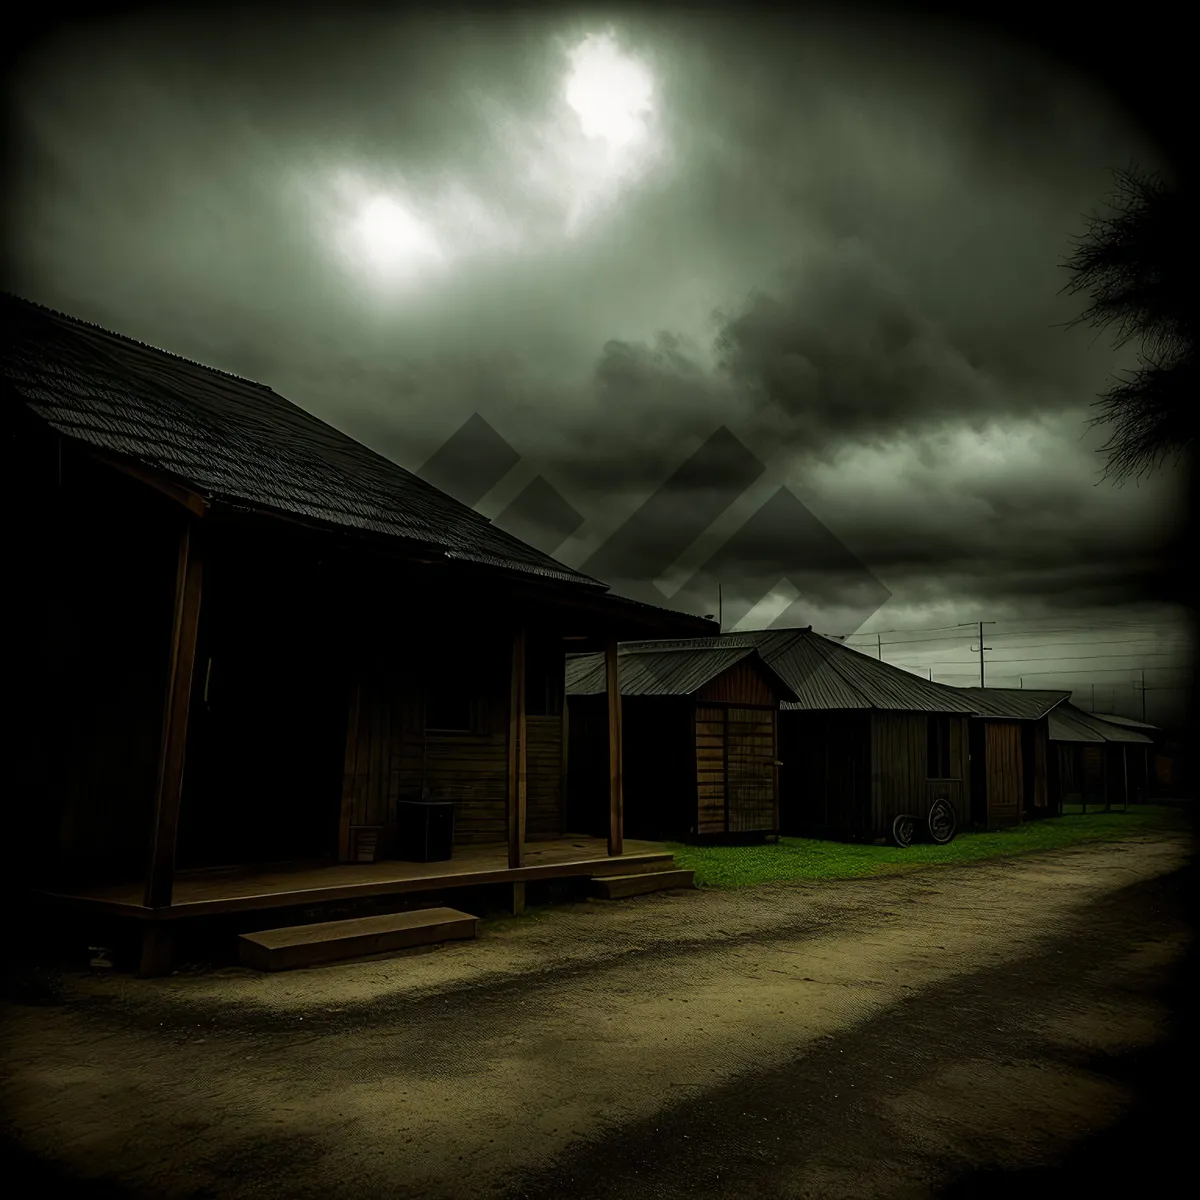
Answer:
(941, 822)
(904, 830)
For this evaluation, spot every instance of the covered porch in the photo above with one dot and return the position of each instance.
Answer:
(197, 894)
(297, 687)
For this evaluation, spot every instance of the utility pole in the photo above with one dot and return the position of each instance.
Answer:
(982, 647)
(720, 610)
(879, 647)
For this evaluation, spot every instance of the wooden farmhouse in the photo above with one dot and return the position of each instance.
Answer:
(250, 645)
(1097, 762)
(857, 741)
(699, 739)
(1009, 745)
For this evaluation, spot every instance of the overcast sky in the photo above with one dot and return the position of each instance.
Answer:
(822, 258)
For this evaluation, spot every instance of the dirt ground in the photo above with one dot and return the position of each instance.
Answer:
(940, 1033)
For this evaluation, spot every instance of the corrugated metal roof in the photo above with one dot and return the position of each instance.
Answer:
(1014, 704)
(665, 673)
(1066, 724)
(823, 674)
(1071, 724)
(238, 441)
(1127, 722)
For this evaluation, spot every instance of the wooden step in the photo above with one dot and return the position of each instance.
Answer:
(332, 941)
(641, 864)
(616, 887)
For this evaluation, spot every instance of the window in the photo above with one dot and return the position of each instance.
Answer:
(449, 712)
(938, 764)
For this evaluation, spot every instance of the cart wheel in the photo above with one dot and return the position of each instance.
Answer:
(941, 822)
(904, 829)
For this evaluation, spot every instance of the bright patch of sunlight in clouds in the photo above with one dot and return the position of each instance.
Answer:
(547, 177)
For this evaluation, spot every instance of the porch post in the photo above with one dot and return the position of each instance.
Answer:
(161, 871)
(517, 758)
(616, 798)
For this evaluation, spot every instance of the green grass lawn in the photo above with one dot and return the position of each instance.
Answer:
(806, 858)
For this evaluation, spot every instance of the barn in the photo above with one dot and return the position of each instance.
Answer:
(1009, 748)
(254, 663)
(699, 728)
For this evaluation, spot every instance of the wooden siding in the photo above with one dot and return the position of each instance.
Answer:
(744, 683)
(736, 785)
(751, 792)
(1004, 772)
(900, 781)
(390, 757)
(546, 815)
(1041, 789)
(710, 770)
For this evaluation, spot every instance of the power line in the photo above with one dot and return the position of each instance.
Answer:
(1098, 625)
(1000, 662)
(1110, 642)
(1143, 637)
(1084, 671)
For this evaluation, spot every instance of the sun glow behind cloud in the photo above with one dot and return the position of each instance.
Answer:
(608, 91)
(548, 176)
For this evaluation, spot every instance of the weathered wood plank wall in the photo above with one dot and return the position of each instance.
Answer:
(710, 769)
(743, 683)
(749, 754)
(390, 757)
(1005, 772)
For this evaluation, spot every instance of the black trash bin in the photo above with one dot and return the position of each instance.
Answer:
(424, 830)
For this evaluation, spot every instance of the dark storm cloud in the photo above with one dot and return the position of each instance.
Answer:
(843, 352)
(850, 249)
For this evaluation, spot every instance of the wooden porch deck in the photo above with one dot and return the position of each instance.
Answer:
(212, 893)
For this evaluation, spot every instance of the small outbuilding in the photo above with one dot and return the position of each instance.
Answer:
(1097, 761)
(699, 730)
(1009, 748)
(785, 730)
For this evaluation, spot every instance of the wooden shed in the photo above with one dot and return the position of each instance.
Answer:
(863, 742)
(1096, 761)
(248, 639)
(1009, 746)
(699, 738)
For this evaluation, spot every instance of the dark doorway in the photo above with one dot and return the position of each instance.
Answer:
(975, 742)
(587, 766)
(267, 729)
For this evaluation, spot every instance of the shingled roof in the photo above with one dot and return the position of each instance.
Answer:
(822, 674)
(1014, 704)
(237, 442)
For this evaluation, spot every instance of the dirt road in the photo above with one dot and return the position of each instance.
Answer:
(892, 1037)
